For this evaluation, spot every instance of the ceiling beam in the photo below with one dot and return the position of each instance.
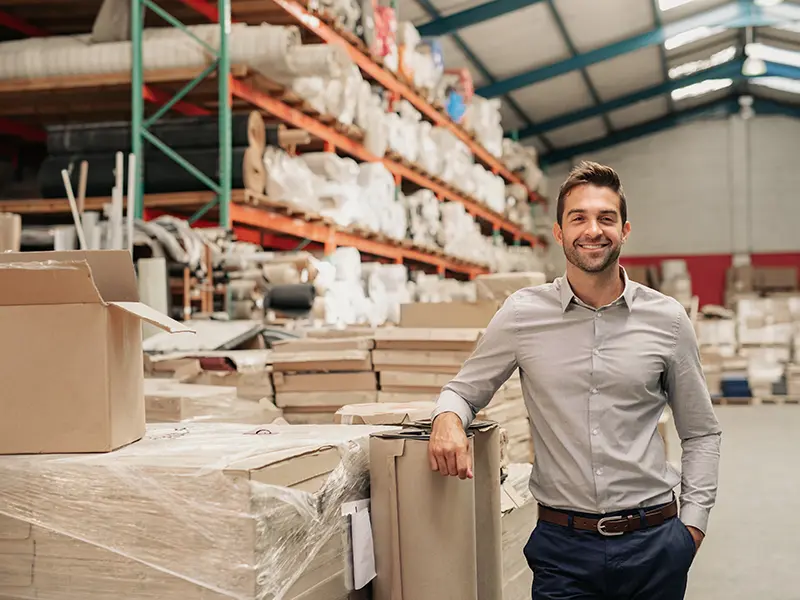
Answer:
(562, 29)
(662, 52)
(472, 16)
(720, 107)
(731, 69)
(732, 15)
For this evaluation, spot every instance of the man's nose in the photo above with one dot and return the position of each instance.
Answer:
(594, 228)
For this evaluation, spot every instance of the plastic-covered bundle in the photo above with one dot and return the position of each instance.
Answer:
(331, 166)
(194, 511)
(483, 117)
(168, 401)
(290, 180)
(424, 217)
(524, 161)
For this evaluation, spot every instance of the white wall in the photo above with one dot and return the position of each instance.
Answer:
(708, 187)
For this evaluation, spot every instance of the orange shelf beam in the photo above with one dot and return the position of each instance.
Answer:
(331, 237)
(331, 136)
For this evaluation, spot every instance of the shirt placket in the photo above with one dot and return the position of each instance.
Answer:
(595, 408)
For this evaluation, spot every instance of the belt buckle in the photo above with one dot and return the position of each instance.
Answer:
(601, 523)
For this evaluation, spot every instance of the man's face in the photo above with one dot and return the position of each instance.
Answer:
(592, 231)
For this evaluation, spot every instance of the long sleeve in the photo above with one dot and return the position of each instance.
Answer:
(697, 426)
(489, 366)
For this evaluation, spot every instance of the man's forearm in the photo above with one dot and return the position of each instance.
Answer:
(449, 401)
(699, 467)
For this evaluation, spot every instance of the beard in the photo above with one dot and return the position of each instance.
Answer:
(597, 262)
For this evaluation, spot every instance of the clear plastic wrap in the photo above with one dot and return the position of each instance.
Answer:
(169, 401)
(196, 511)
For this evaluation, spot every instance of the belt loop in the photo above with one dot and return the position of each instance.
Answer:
(642, 519)
(570, 522)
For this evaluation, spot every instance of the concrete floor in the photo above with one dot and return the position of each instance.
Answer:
(752, 551)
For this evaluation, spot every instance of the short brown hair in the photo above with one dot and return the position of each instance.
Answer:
(592, 173)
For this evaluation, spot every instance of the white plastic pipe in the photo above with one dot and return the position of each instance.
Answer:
(131, 198)
(73, 206)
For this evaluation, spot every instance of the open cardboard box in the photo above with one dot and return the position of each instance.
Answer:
(71, 355)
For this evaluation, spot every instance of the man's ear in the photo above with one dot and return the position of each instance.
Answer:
(558, 235)
(626, 231)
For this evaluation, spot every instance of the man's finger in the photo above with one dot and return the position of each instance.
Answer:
(464, 465)
(442, 465)
(432, 459)
(452, 467)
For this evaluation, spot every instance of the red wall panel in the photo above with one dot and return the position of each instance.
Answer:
(708, 270)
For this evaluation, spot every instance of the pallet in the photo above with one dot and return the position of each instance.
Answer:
(253, 198)
(755, 400)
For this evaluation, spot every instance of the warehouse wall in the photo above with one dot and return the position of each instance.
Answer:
(705, 191)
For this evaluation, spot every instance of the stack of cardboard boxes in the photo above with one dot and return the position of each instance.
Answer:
(168, 401)
(314, 378)
(508, 409)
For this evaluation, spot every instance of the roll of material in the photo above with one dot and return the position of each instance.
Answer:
(263, 47)
(256, 131)
(10, 232)
(319, 60)
(297, 297)
(281, 274)
(153, 291)
(254, 173)
(161, 174)
(179, 134)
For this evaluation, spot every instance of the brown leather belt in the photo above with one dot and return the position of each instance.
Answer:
(610, 526)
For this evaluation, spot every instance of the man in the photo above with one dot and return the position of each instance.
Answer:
(600, 356)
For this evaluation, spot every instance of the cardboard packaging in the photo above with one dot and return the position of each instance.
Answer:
(400, 413)
(167, 401)
(193, 512)
(448, 314)
(415, 508)
(403, 482)
(71, 360)
(519, 512)
(10, 232)
(499, 286)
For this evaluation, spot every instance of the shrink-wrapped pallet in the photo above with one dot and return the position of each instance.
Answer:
(196, 511)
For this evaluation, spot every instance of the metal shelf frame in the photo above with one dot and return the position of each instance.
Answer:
(140, 126)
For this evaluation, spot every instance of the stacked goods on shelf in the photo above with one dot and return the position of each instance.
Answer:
(315, 377)
(188, 512)
(483, 119)
(765, 331)
(414, 364)
(195, 138)
(524, 162)
(676, 281)
(169, 401)
(747, 281)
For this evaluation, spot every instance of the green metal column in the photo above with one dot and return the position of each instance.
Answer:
(140, 127)
(225, 136)
(137, 101)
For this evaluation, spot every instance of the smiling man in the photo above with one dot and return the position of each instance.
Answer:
(600, 357)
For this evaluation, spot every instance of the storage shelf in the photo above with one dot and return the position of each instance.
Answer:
(260, 220)
(55, 95)
(253, 215)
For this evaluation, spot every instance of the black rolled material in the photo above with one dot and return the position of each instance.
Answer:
(293, 296)
(181, 133)
(161, 174)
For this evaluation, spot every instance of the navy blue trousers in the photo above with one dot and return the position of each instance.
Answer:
(650, 564)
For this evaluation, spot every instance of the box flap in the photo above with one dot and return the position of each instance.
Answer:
(112, 270)
(47, 283)
(152, 316)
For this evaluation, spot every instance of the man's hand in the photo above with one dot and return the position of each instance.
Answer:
(697, 535)
(448, 449)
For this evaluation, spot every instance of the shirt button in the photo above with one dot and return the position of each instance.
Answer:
(598, 471)
(594, 390)
(596, 351)
(594, 431)
(598, 315)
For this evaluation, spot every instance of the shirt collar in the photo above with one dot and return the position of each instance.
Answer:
(567, 295)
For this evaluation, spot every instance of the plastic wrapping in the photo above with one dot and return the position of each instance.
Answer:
(197, 511)
(290, 180)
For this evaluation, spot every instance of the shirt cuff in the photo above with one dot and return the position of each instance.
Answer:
(449, 401)
(695, 516)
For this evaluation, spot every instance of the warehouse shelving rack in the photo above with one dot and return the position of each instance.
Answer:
(140, 131)
(222, 88)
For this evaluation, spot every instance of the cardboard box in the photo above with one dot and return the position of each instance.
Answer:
(485, 500)
(772, 279)
(316, 345)
(415, 508)
(519, 511)
(499, 286)
(167, 401)
(322, 360)
(366, 381)
(448, 314)
(195, 512)
(427, 339)
(71, 359)
(419, 360)
(399, 413)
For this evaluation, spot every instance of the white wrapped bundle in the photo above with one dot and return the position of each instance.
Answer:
(377, 132)
(424, 217)
(483, 117)
(312, 90)
(290, 180)
(429, 157)
(331, 166)
(329, 61)
(524, 161)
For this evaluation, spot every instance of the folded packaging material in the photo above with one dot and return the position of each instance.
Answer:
(83, 308)
(398, 413)
(195, 511)
(499, 286)
(448, 315)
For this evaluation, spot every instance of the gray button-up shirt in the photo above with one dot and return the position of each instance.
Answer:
(595, 382)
